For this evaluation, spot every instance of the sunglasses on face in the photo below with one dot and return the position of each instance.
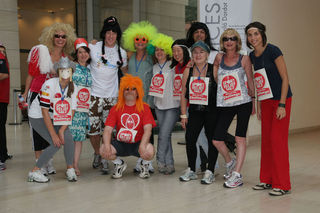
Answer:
(132, 89)
(139, 39)
(60, 36)
(234, 38)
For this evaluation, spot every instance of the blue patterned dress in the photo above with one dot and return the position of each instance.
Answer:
(81, 77)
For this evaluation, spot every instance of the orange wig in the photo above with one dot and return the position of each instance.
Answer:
(129, 81)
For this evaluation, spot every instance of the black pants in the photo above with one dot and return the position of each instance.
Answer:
(196, 120)
(3, 137)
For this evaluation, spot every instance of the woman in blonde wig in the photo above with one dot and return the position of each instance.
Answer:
(56, 41)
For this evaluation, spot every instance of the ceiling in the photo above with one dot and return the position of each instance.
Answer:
(46, 5)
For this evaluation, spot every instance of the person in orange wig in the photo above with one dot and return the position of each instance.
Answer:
(134, 121)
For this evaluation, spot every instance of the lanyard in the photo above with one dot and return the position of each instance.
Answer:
(138, 65)
(161, 67)
(201, 70)
(62, 92)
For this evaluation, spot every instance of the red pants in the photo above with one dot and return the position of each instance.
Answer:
(274, 145)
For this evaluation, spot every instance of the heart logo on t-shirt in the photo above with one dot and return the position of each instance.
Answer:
(130, 121)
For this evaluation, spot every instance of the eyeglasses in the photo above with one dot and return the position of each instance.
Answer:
(60, 36)
(132, 89)
(140, 39)
(234, 38)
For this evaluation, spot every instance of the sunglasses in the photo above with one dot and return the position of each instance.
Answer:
(60, 36)
(234, 38)
(132, 89)
(139, 39)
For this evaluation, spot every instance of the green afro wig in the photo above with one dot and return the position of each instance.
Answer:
(161, 41)
(143, 28)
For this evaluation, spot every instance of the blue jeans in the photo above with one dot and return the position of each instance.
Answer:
(166, 121)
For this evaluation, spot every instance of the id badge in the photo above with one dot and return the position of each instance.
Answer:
(262, 85)
(231, 90)
(158, 84)
(198, 90)
(83, 99)
(62, 112)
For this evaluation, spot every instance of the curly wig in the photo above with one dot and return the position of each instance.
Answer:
(143, 28)
(47, 36)
(130, 81)
(161, 41)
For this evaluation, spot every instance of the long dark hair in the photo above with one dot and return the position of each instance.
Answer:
(76, 54)
(194, 27)
(186, 56)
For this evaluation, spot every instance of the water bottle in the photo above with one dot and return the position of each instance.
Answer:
(22, 103)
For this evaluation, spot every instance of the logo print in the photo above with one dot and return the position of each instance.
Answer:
(83, 95)
(177, 84)
(259, 80)
(62, 107)
(198, 86)
(130, 121)
(158, 80)
(229, 83)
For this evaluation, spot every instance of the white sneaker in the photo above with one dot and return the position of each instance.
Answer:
(44, 171)
(71, 175)
(144, 170)
(208, 177)
(37, 176)
(188, 175)
(50, 169)
(105, 166)
(119, 169)
(230, 168)
(234, 181)
(150, 168)
(96, 161)
(137, 167)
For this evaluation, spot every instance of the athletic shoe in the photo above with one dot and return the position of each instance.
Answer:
(161, 168)
(279, 192)
(137, 167)
(230, 168)
(96, 161)
(44, 171)
(37, 176)
(144, 170)
(2, 166)
(150, 168)
(50, 169)
(208, 177)
(105, 166)
(71, 175)
(169, 170)
(262, 186)
(234, 181)
(119, 169)
(188, 175)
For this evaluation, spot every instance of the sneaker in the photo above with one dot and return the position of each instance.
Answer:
(169, 170)
(279, 192)
(2, 166)
(37, 176)
(50, 169)
(105, 167)
(208, 177)
(96, 161)
(262, 186)
(144, 170)
(44, 171)
(188, 175)
(234, 181)
(150, 168)
(161, 168)
(230, 168)
(71, 175)
(137, 167)
(119, 169)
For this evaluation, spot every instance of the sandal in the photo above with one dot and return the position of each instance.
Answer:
(262, 186)
(279, 192)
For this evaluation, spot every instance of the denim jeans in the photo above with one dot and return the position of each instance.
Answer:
(166, 121)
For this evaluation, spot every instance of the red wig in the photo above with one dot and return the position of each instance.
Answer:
(129, 81)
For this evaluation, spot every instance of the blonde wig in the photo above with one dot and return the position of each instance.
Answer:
(130, 81)
(230, 32)
(48, 33)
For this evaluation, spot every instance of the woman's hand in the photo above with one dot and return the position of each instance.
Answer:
(105, 151)
(61, 135)
(281, 113)
(253, 107)
(56, 140)
(184, 122)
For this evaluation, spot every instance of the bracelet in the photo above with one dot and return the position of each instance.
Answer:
(184, 116)
(282, 105)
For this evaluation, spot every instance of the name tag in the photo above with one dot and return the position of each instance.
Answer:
(158, 84)
(62, 112)
(83, 99)
(262, 85)
(198, 90)
(231, 90)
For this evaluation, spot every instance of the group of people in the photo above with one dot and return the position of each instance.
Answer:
(118, 91)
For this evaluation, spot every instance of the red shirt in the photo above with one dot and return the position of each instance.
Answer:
(129, 122)
(5, 83)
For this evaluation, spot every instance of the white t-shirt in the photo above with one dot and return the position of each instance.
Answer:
(212, 56)
(105, 76)
(50, 90)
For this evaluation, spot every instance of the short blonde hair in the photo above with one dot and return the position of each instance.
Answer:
(47, 36)
(230, 32)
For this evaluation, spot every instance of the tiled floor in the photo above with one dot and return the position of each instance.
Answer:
(99, 193)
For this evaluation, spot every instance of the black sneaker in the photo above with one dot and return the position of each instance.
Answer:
(279, 192)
